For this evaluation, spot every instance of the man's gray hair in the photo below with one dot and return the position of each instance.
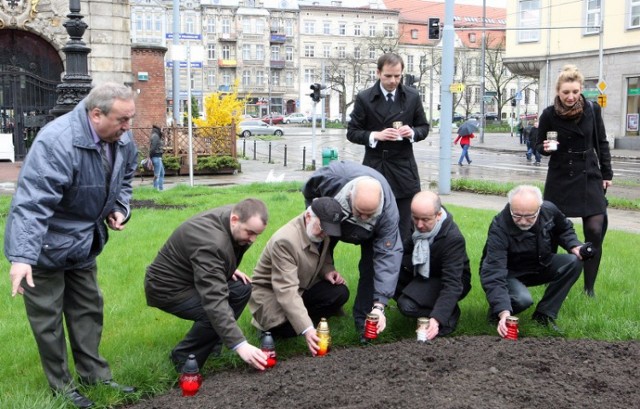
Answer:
(533, 190)
(104, 95)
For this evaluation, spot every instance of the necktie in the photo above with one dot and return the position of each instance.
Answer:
(389, 98)
(106, 162)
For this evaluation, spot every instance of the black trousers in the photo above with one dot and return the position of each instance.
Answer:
(202, 338)
(72, 296)
(559, 277)
(323, 300)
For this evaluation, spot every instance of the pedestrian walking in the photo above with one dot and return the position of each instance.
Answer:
(465, 143)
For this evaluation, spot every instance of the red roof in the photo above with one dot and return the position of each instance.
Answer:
(415, 14)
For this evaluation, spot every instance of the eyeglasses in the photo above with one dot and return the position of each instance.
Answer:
(529, 217)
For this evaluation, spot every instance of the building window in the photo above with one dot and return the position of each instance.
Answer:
(289, 79)
(634, 13)
(388, 31)
(211, 51)
(189, 25)
(226, 52)
(592, 16)
(326, 50)
(288, 53)
(472, 38)
(148, 23)
(372, 30)
(423, 93)
(275, 53)
(158, 24)
(326, 28)
(409, 63)
(529, 17)
(309, 27)
(138, 23)
(342, 52)
(342, 29)
(275, 78)
(357, 53)
(246, 78)
(309, 50)
(288, 27)
(226, 79)
(260, 52)
(246, 51)
(259, 26)
(226, 26)
(358, 77)
(372, 53)
(356, 30)
(259, 77)
(309, 75)
(414, 34)
(211, 78)
(247, 25)
(211, 25)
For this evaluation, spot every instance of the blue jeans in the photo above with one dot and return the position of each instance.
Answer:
(464, 154)
(158, 172)
(532, 151)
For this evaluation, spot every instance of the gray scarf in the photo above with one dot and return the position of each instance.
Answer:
(421, 252)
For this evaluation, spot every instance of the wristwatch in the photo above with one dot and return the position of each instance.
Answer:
(378, 307)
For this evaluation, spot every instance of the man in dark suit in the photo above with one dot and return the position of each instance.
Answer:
(387, 119)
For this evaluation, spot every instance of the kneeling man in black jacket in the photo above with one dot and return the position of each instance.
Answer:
(519, 254)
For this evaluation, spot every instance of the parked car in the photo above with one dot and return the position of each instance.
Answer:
(491, 116)
(296, 118)
(273, 119)
(458, 117)
(256, 127)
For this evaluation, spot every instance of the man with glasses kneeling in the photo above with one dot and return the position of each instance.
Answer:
(518, 254)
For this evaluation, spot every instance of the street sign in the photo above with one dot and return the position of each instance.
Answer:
(183, 64)
(456, 87)
(602, 86)
(602, 100)
(518, 95)
(185, 36)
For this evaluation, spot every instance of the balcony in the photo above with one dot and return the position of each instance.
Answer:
(227, 63)
(277, 38)
(277, 64)
(224, 88)
(228, 37)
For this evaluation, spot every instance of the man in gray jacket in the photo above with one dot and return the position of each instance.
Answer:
(371, 220)
(195, 277)
(75, 181)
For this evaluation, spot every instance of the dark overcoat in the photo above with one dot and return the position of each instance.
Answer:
(394, 159)
(578, 167)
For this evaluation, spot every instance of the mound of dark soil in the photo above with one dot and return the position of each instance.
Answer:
(457, 372)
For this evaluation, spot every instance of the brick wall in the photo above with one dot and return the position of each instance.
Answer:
(152, 98)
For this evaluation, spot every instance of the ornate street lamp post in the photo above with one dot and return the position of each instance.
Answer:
(76, 82)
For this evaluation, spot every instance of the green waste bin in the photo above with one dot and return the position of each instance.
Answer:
(328, 155)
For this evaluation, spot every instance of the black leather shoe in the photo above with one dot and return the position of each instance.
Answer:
(120, 388)
(78, 399)
(546, 321)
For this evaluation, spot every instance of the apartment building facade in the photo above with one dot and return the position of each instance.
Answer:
(601, 37)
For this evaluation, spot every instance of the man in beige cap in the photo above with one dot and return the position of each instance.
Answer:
(295, 282)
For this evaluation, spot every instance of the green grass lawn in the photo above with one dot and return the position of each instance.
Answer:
(137, 338)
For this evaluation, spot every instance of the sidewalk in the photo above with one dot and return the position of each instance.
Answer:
(260, 171)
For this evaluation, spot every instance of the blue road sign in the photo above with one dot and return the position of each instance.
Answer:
(183, 64)
(185, 36)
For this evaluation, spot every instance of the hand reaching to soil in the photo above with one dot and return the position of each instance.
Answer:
(252, 355)
(312, 341)
(382, 320)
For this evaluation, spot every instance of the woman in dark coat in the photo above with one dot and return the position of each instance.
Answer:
(580, 169)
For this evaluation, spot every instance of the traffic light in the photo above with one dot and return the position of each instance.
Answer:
(513, 102)
(316, 95)
(409, 80)
(434, 28)
(439, 107)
